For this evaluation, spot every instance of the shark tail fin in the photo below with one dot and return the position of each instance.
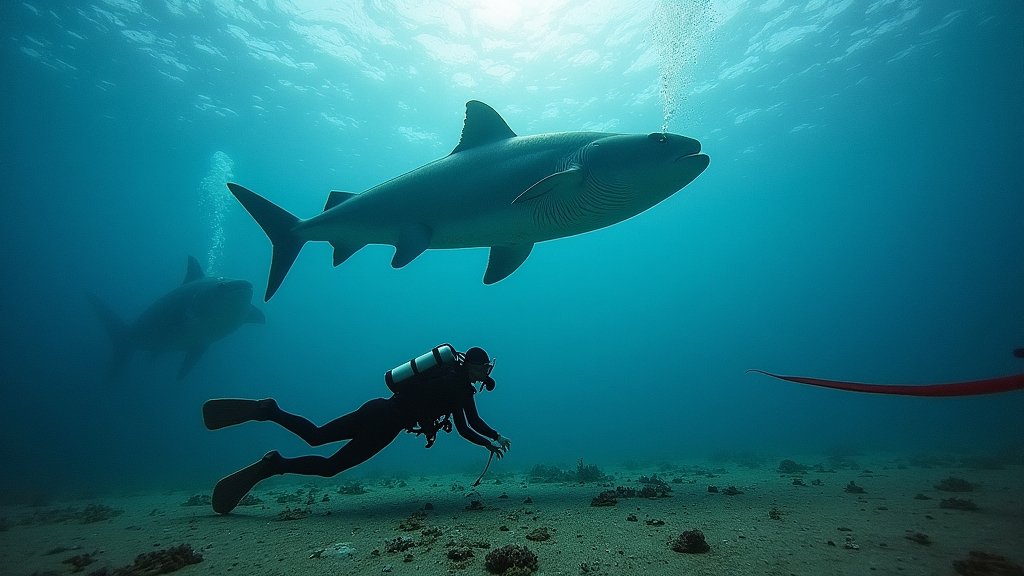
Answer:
(278, 224)
(119, 336)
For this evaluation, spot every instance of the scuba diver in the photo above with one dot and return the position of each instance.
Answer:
(430, 392)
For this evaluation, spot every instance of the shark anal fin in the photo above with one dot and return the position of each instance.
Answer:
(191, 357)
(554, 186)
(255, 316)
(483, 126)
(336, 197)
(504, 260)
(412, 241)
(195, 271)
(343, 252)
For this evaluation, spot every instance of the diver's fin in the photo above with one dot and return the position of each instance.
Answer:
(195, 271)
(412, 241)
(255, 316)
(278, 224)
(231, 489)
(222, 412)
(503, 260)
(191, 357)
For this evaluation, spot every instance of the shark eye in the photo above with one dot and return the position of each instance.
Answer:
(658, 137)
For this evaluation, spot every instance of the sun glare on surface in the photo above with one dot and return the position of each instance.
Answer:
(501, 14)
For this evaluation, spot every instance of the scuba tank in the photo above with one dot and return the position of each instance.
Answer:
(401, 376)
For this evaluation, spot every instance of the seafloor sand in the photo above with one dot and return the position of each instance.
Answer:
(821, 529)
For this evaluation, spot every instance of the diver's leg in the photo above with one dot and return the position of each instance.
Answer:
(232, 488)
(356, 451)
(370, 414)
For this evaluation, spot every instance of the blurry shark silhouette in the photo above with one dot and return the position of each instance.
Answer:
(189, 318)
(496, 190)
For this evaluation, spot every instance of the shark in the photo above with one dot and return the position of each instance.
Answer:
(495, 190)
(202, 310)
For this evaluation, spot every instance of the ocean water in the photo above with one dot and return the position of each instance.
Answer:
(861, 219)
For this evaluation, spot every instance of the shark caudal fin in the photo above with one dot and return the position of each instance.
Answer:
(278, 224)
(119, 336)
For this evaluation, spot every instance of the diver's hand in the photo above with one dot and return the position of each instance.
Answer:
(496, 448)
(505, 443)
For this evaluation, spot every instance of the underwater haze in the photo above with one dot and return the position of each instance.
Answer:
(861, 219)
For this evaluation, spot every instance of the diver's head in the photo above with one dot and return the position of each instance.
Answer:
(478, 367)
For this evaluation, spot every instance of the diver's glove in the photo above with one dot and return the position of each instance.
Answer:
(496, 450)
(505, 443)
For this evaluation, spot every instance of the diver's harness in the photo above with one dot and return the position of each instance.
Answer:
(430, 364)
(401, 377)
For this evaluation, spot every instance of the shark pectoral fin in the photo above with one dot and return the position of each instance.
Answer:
(195, 271)
(342, 252)
(412, 241)
(255, 316)
(504, 260)
(553, 186)
(191, 357)
(337, 197)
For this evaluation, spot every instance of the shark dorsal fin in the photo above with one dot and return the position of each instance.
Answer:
(337, 197)
(195, 271)
(483, 126)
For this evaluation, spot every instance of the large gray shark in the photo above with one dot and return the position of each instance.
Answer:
(496, 190)
(192, 316)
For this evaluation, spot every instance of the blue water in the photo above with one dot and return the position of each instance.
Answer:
(861, 220)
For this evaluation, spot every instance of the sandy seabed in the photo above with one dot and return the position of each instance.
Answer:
(773, 528)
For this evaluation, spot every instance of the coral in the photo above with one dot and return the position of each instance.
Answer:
(690, 542)
(292, 514)
(512, 558)
(97, 513)
(79, 561)
(713, 489)
(791, 467)
(732, 491)
(539, 535)
(160, 562)
(919, 537)
(952, 484)
(852, 488)
(460, 554)
(198, 500)
(654, 522)
(399, 544)
(984, 564)
(352, 488)
(588, 472)
(775, 514)
(415, 521)
(959, 504)
(606, 498)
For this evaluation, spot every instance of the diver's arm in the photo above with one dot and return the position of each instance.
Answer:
(468, 433)
(476, 422)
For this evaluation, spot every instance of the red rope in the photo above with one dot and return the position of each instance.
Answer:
(971, 388)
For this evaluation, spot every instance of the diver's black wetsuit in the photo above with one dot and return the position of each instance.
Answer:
(378, 422)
